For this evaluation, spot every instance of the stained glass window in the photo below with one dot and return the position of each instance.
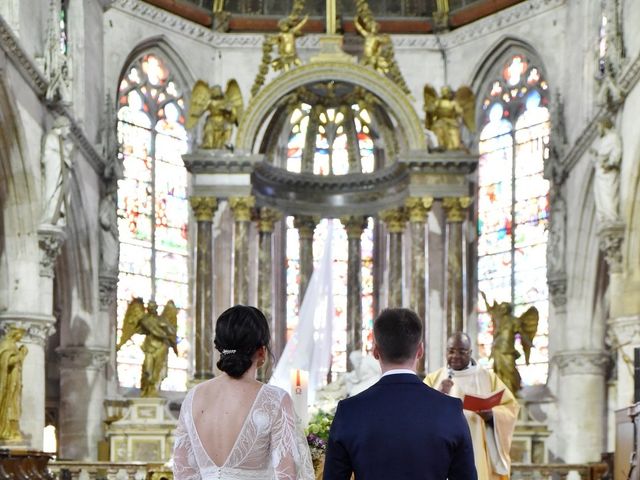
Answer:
(152, 209)
(343, 142)
(64, 38)
(513, 206)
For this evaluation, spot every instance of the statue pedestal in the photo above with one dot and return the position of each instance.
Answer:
(529, 443)
(144, 433)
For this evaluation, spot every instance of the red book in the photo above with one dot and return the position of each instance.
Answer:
(476, 403)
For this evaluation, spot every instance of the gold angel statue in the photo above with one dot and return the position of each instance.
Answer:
(445, 115)
(160, 334)
(224, 111)
(11, 359)
(378, 51)
(505, 327)
(286, 42)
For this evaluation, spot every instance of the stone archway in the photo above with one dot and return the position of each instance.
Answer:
(397, 102)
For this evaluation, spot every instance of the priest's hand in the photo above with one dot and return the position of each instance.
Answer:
(487, 415)
(445, 386)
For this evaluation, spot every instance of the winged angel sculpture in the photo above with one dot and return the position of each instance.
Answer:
(445, 114)
(160, 334)
(505, 327)
(224, 111)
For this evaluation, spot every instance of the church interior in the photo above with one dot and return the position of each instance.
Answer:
(163, 160)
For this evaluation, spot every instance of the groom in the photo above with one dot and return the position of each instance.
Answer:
(399, 428)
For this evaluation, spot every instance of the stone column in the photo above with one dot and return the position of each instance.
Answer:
(396, 221)
(266, 220)
(38, 324)
(579, 426)
(354, 226)
(455, 208)
(418, 209)
(241, 208)
(306, 226)
(82, 383)
(203, 210)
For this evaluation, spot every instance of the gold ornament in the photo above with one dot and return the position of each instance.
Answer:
(418, 208)
(446, 114)
(11, 359)
(224, 108)
(455, 208)
(242, 207)
(160, 334)
(268, 217)
(306, 225)
(354, 226)
(286, 43)
(204, 208)
(505, 328)
(395, 219)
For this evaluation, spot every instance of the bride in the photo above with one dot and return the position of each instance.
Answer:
(233, 427)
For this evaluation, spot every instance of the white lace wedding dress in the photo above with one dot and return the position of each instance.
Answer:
(269, 445)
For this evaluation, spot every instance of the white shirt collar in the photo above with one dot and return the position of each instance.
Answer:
(397, 371)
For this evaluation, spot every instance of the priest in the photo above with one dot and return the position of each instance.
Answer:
(491, 429)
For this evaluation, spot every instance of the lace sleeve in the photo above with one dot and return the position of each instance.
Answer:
(185, 466)
(289, 448)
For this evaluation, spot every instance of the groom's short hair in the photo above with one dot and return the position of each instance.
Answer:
(397, 333)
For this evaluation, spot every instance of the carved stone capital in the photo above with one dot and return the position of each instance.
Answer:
(395, 219)
(456, 207)
(306, 225)
(37, 327)
(242, 207)
(268, 217)
(204, 208)
(354, 226)
(611, 237)
(81, 357)
(418, 208)
(108, 284)
(50, 240)
(558, 290)
(626, 330)
(582, 362)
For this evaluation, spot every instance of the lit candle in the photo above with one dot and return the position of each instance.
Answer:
(299, 392)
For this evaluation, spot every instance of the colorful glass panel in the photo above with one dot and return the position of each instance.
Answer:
(513, 206)
(153, 209)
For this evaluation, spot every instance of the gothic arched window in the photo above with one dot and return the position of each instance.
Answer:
(342, 140)
(513, 205)
(153, 209)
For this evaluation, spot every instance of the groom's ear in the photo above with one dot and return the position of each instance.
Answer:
(376, 353)
(420, 352)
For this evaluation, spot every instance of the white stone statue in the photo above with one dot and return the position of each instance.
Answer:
(56, 167)
(607, 155)
(366, 371)
(109, 239)
(557, 236)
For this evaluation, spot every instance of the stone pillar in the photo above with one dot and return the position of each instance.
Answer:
(354, 226)
(395, 220)
(580, 426)
(82, 382)
(241, 208)
(455, 208)
(418, 209)
(306, 226)
(38, 324)
(37, 329)
(203, 209)
(266, 220)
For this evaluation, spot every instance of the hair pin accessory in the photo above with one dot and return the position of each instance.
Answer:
(227, 352)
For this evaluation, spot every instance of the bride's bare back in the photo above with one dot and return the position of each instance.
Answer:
(220, 409)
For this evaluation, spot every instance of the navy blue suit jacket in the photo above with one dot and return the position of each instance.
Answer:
(400, 429)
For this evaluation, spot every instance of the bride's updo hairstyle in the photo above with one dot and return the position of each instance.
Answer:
(240, 332)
